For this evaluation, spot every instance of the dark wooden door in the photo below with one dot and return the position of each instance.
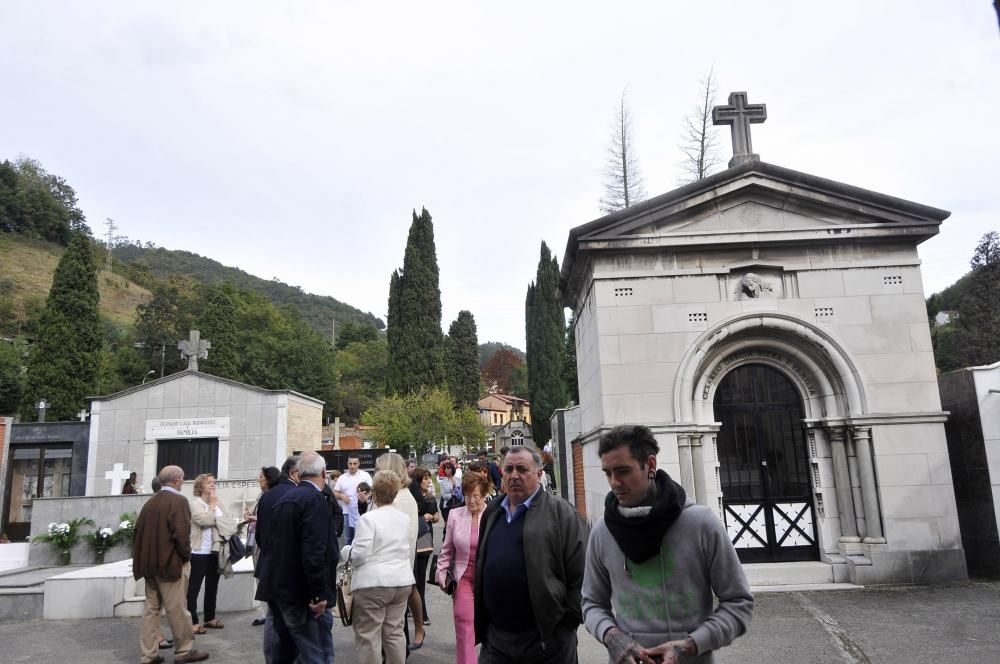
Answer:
(764, 466)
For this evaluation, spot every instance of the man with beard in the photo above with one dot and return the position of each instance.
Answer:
(656, 562)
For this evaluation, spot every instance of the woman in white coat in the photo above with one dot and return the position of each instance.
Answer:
(383, 575)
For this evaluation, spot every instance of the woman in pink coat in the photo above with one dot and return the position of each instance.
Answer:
(456, 568)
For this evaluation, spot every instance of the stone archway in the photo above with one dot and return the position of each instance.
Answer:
(832, 394)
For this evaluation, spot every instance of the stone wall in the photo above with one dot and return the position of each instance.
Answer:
(305, 425)
(104, 510)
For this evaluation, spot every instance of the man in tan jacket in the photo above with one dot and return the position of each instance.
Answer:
(161, 554)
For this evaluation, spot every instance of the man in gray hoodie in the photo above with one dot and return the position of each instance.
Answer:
(655, 563)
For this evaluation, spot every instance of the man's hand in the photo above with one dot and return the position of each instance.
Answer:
(670, 652)
(318, 607)
(622, 649)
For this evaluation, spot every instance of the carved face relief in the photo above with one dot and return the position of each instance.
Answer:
(753, 286)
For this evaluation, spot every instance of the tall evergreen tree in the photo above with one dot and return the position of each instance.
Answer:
(11, 378)
(462, 360)
(416, 352)
(217, 324)
(569, 362)
(63, 364)
(545, 326)
(394, 323)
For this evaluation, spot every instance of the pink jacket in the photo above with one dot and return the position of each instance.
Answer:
(454, 554)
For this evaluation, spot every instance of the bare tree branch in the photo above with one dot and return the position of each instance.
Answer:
(623, 185)
(698, 142)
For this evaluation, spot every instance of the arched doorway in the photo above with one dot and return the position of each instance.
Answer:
(764, 466)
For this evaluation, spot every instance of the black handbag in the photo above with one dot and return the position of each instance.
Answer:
(237, 550)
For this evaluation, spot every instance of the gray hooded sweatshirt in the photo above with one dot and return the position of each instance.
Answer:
(672, 595)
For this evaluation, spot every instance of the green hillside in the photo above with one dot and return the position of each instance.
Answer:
(317, 310)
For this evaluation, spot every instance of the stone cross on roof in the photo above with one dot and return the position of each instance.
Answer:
(740, 115)
(193, 348)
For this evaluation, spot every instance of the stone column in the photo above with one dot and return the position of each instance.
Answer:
(869, 487)
(842, 477)
(698, 461)
(687, 466)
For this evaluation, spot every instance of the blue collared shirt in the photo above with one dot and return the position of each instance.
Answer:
(505, 504)
(170, 489)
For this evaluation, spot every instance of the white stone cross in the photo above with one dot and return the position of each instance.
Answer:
(117, 477)
(82, 414)
(193, 348)
(740, 115)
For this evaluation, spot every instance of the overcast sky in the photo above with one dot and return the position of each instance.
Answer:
(293, 139)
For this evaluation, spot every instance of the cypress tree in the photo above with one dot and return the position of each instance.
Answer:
(569, 362)
(416, 353)
(393, 323)
(217, 324)
(63, 364)
(462, 360)
(545, 325)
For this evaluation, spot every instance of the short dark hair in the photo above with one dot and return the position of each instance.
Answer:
(354, 456)
(504, 450)
(291, 463)
(482, 453)
(640, 440)
(271, 475)
(364, 486)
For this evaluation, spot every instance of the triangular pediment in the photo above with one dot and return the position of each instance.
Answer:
(758, 197)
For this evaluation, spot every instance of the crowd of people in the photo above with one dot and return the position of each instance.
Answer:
(656, 580)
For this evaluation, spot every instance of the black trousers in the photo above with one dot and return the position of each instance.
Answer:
(525, 648)
(204, 567)
(420, 577)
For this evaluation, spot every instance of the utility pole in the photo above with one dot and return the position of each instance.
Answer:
(110, 223)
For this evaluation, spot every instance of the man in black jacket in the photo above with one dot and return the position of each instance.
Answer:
(299, 579)
(529, 570)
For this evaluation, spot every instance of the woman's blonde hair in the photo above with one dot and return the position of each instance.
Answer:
(200, 482)
(394, 462)
(385, 487)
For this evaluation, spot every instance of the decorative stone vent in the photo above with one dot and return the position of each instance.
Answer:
(824, 312)
(893, 280)
(700, 317)
(623, 292)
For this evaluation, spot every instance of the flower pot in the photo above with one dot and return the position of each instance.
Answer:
(99, 557)
(64, 556)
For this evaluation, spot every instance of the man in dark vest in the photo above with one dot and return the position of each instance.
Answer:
(161, 554)
(529, 570)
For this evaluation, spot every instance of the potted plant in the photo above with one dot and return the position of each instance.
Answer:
(126, 529)
(62, 537)
(100, 541)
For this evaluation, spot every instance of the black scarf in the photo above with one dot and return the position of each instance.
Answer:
(640, 537)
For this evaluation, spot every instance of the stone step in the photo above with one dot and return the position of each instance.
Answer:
(132, 607)
(785, 574)
(804, 587)
(18, 604)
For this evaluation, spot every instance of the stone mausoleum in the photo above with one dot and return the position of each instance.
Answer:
(201, 422)
(769, 326)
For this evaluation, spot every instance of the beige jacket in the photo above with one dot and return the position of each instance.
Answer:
(223, 528)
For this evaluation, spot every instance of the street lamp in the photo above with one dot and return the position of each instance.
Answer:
(148, 374)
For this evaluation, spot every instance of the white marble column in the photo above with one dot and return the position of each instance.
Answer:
(698, 461)
(869, 486)
(842, 477)
(687, 466)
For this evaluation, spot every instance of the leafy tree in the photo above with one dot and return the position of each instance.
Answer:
(545, 326)
(519, 381)
(360, 371)
(63, 364)
(351, 332)
(462, 360)
(623, 186)
(416, 354)
(166, 319)
(699, 142)
(987, 251)
(421, 420)
(38, 204)
(486, 351)
(11, 376)
(569, 362)
(498, 374)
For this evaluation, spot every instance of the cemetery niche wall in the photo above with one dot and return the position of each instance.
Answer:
(769, 326)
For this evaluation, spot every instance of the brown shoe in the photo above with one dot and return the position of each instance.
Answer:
(193, 656)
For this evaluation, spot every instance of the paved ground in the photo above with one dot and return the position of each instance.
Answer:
(959, 622)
